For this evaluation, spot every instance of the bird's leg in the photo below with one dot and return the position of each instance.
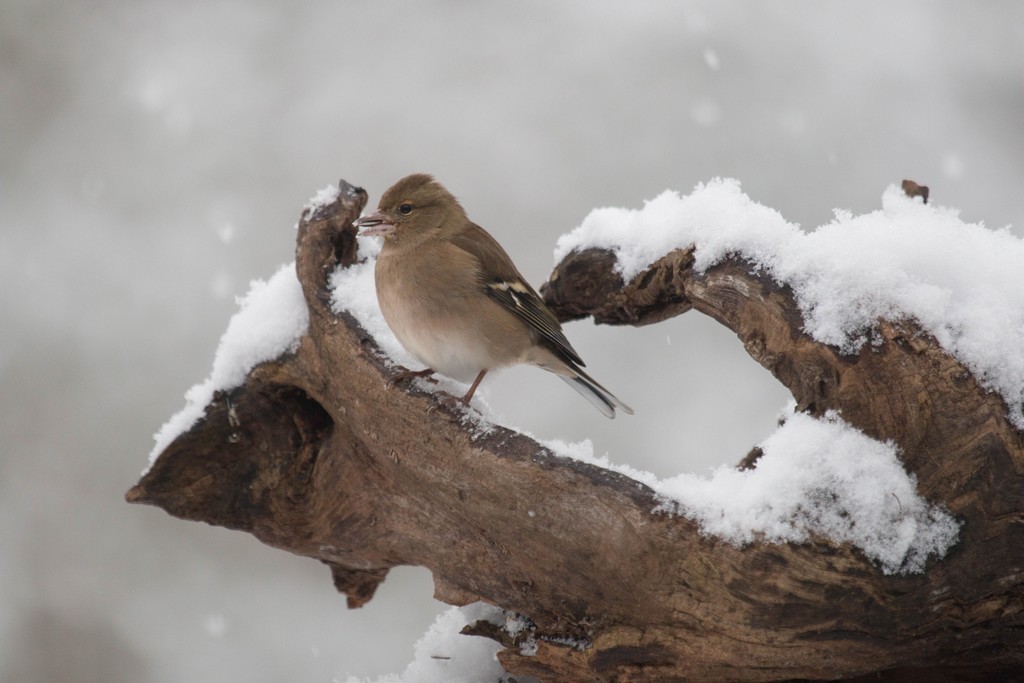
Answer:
(453, 403)
(472, 388)
(411, 374)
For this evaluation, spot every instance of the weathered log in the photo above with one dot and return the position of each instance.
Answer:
(314, 454)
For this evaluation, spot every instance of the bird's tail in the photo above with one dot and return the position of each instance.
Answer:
(588, 388)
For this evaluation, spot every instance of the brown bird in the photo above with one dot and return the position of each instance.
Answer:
(454, 298)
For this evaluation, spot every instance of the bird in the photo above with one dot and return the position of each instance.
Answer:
(455, 300)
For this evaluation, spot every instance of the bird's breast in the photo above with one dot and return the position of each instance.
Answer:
(447, 323)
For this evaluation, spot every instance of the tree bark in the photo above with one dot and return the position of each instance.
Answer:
(314, 454)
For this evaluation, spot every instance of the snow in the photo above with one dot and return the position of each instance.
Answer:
(216, 625)
(711, 59)
(324, 197)
(271, 319)
(816, 477)
(444, 654)
(353, 290)
(962, 282)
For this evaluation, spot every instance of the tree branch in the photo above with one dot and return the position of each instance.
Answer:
(315, 455)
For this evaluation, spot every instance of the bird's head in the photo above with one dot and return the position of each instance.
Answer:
(416, 204)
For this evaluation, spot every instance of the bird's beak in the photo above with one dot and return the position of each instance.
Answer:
(374, 225)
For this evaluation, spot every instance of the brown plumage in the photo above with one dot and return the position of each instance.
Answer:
(454, 298)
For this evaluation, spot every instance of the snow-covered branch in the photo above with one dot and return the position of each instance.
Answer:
(879, 529)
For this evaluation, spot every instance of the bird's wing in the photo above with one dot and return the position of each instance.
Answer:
(503, 283)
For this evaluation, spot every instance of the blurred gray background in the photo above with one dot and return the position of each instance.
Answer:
(154, 157)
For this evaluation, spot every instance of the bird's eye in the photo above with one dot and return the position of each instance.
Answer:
(405, 209)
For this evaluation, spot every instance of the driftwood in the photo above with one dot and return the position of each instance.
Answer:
(315, 455)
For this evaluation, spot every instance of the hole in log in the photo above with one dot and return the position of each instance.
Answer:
(700, 399)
